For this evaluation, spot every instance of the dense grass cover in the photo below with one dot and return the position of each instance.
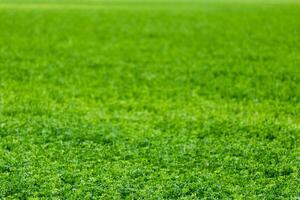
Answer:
(149, 100)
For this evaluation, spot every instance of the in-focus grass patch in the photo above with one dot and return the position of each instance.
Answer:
(153, 100)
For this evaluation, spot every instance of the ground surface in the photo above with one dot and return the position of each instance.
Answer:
(153, 100)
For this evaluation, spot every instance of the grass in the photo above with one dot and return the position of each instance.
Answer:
(154, 100)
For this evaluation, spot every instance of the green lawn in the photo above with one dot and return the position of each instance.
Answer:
(149, 100)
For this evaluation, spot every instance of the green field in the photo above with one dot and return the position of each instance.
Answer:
(149, 99)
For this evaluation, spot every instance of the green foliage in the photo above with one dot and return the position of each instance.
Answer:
(154, 100)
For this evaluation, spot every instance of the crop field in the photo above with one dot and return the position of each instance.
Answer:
(149, 99)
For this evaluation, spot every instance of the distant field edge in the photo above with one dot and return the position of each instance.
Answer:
(135, 2)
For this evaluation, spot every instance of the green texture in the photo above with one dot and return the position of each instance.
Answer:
(149, 100)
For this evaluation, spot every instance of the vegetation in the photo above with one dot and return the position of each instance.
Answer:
(149, 100)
